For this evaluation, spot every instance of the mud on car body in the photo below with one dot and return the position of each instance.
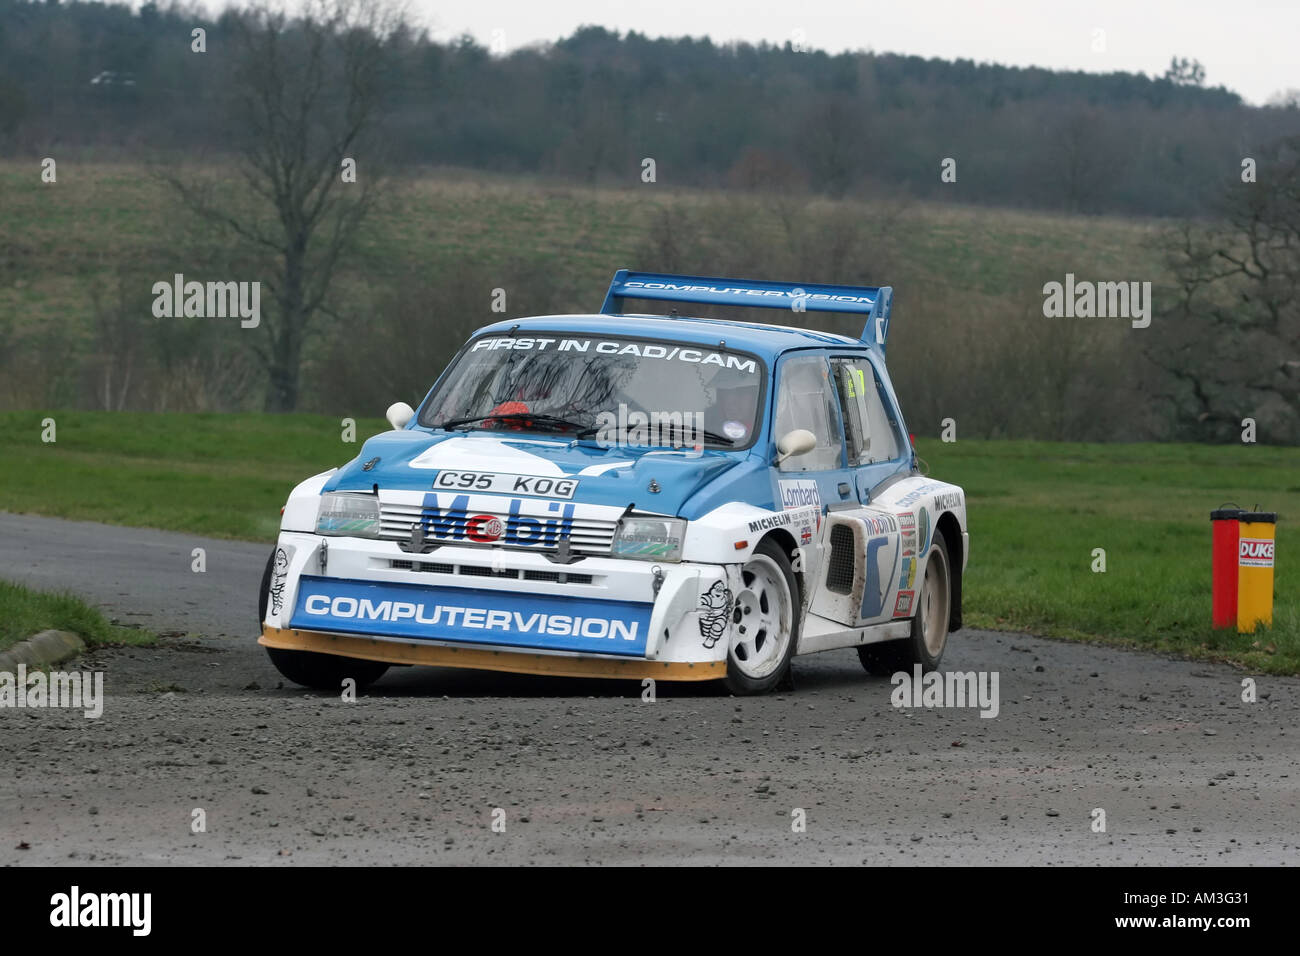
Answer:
(631, 495)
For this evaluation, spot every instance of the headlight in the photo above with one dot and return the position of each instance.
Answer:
(356, 516)
(650, 539)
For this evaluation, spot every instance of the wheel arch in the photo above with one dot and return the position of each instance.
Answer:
(786, 542)
(951, 529)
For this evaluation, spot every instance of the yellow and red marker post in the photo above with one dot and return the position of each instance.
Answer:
(1224, 550)
(1255, 570)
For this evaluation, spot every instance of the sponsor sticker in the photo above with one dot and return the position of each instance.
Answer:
(882, 567)
(880, 523)
(907, 527)
(799, 493)
(441, 520)
(903, 606)
(647, 350)
(491, 482)
(949, 501)
(735, 430)
(466, 615)
(907, 577)
(1255, 553)
(917, 493)
(781, 520)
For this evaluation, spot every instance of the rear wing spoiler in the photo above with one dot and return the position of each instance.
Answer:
(872, 301)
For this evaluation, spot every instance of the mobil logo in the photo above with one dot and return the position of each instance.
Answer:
(455, 520)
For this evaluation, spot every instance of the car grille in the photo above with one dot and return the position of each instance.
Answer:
(586, 535)
(484, 571)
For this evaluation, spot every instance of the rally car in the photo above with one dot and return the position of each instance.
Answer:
(631, 496)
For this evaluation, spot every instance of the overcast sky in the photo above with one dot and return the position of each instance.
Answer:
(1250, 46)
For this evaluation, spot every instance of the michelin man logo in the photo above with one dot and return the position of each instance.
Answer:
(279, 572)
(715, 608)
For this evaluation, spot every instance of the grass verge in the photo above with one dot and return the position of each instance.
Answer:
(24, 612)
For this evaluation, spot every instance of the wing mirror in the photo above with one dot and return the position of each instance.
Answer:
(399, 414)
(800, 441)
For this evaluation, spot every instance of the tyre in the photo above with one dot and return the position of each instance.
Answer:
(264, 595)
(765, 623)
(317, 671)
(929, 635)
(325, 671)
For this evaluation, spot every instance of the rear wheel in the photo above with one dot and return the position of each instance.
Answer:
(765, 622)
(317, 671)
(929, 637)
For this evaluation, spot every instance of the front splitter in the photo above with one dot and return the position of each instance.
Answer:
(514, 662)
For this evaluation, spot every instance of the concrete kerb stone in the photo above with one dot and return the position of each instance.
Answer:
(42, 650)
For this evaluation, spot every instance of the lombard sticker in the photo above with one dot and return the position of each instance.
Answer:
(903, 606)
(799, 493)
(493, 482)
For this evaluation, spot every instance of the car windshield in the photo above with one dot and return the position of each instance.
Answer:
(621, 391)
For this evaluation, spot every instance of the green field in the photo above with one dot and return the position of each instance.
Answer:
(1037, 511)
(58, 240)
(24, 613)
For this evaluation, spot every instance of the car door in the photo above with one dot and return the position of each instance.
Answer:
(806, 398)
(872, 452)
(874, 446)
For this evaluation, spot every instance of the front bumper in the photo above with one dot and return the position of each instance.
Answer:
(513, 610)
(513, 661)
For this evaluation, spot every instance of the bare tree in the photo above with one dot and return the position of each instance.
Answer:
(1229, 347)
(1082, 159)
(307, 93)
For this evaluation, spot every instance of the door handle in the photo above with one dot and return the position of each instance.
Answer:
(844, 489)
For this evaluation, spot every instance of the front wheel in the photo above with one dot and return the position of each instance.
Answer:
(929, 634)
(765, 622)
(317, 671)
(325, 671)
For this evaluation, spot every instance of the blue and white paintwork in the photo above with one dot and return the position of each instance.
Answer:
(511, 592)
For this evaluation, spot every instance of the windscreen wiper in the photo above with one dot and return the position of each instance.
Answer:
(533, 417)
(699, 432)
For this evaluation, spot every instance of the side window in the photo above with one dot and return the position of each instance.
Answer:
(870, 431)
(805, 399)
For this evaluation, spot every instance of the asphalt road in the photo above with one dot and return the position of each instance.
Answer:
(587, 772)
